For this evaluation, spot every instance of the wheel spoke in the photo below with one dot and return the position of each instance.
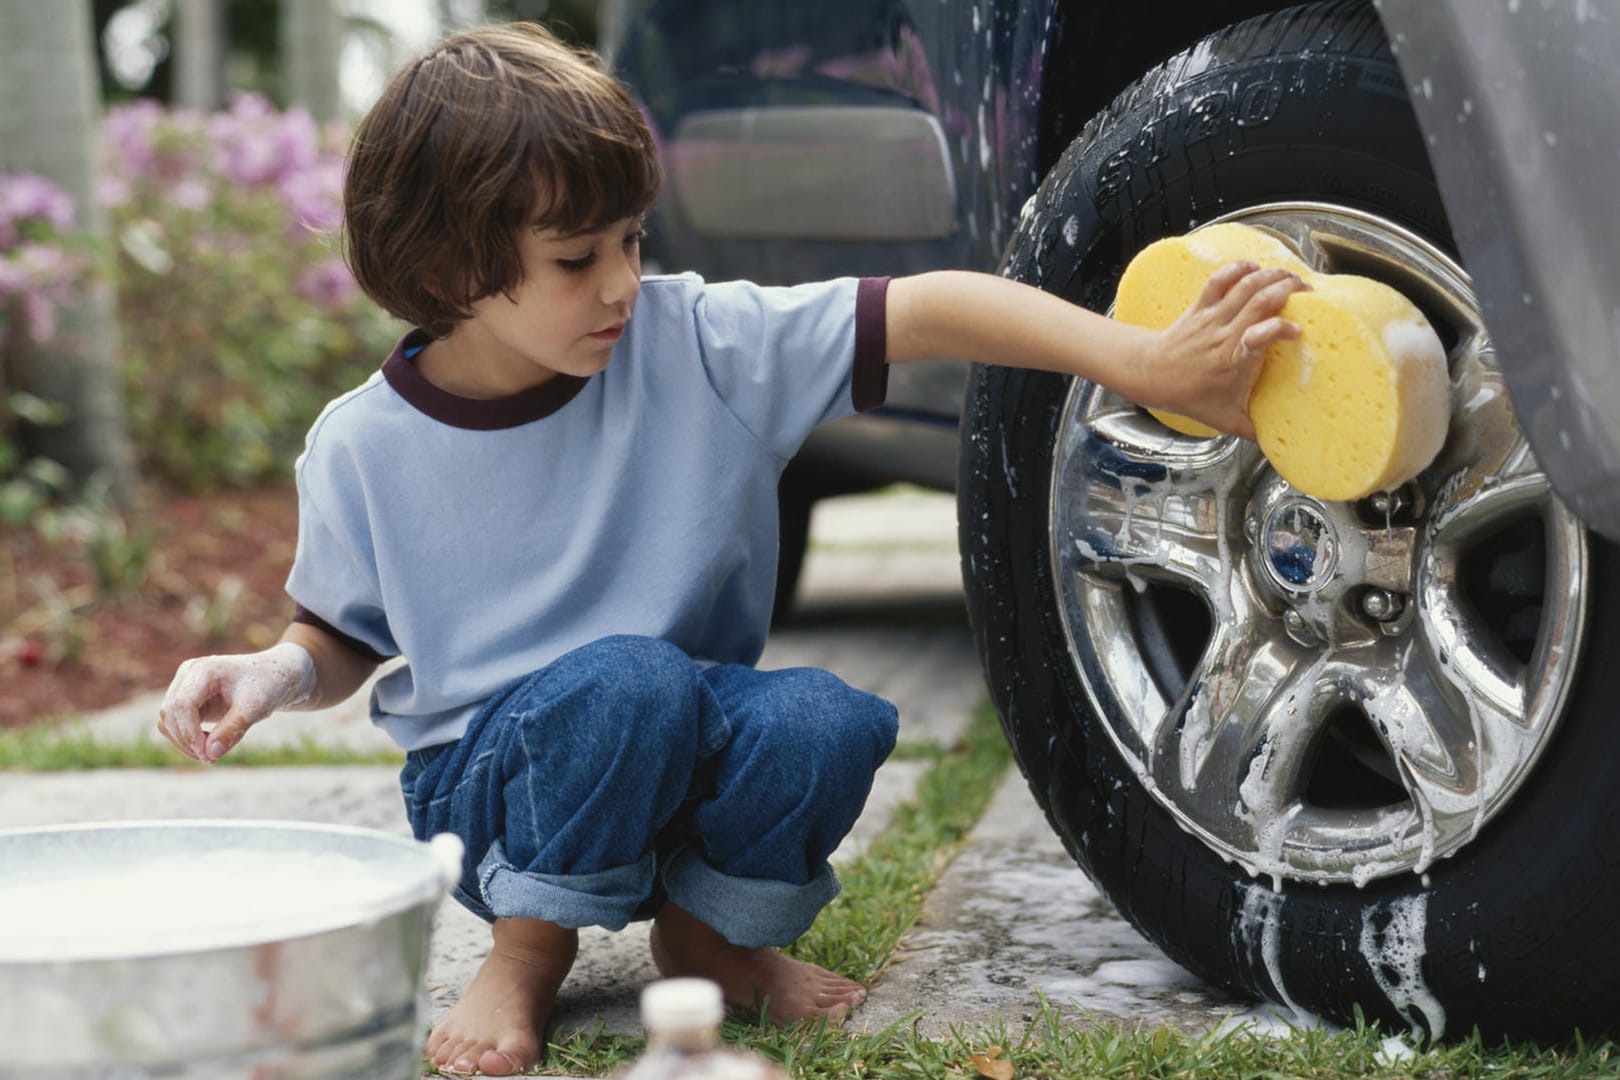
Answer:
(1471, 659)
(1486, 467)
(1236, 744)
(1154, 507)
(1444, 738)
(1475, 504)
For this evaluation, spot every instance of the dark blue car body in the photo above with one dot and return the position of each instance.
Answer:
(811, 140)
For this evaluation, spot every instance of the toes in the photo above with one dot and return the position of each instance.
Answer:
(456, 1056)
(496, 1063)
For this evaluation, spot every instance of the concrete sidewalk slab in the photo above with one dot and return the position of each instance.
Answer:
(1013, 919)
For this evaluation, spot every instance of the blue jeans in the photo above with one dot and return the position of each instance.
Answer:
(623, 773)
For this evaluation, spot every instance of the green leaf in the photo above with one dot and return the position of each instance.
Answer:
(48, 474)
(36, 410)
(19, 501)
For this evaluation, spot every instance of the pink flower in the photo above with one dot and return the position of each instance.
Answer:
(192, 193)
(26, 197)
(129, 133)
(13, 279)
(328, 285)
(39, 314)
(113, 191)
(41, 276)
(314, 196)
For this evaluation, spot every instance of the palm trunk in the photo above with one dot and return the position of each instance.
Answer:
(50, 114)
(311, 46)
(199, 46)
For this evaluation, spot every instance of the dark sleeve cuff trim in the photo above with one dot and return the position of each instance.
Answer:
(870, 385)
(303, 615)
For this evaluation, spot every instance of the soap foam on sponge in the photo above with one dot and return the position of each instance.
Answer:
(1358, 403)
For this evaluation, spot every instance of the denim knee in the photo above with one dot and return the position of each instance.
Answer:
(564, 779)
(829, 725)
(648, 688)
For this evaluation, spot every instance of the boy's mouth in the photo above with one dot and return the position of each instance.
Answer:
(610, 334)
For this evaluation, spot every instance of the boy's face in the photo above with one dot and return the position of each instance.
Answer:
(563, 317)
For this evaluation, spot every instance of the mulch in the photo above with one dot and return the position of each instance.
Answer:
(213, 582)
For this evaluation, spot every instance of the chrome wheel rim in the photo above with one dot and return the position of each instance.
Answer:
(1331, 692)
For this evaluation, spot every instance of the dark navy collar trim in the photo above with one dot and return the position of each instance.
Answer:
(473, 414)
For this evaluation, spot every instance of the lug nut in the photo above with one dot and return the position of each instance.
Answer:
(1298, 628)
(1383, 605)
(1390, 504)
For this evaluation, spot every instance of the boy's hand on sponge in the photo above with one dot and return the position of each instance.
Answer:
(1358, 401)
(1207, 361)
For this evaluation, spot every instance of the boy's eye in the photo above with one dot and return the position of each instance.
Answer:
(577, 264)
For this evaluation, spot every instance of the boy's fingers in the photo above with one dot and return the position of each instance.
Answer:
(226, 734)
(180, 715)
(1267, 332)
(1259, 283)
(1222, 280)
(1270, 300)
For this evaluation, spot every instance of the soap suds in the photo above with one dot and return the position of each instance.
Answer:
(174, 903)
(1393, 943)
(1261, 914)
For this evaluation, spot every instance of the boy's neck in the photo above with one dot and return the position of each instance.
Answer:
(454, 367)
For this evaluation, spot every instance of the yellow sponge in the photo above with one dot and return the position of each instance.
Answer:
(1358, 403)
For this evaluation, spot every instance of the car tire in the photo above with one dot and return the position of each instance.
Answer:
(1298, 121)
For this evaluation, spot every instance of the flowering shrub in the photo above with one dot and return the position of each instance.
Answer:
(238, 318)
(39, 269)
(37, 272)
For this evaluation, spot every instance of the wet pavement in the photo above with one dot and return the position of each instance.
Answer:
(1012, 921)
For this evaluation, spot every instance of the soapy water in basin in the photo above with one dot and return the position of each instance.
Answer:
(188, 902)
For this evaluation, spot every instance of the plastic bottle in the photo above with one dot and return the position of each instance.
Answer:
(682, 1018)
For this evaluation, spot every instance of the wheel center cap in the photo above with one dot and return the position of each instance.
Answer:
(1301, 549)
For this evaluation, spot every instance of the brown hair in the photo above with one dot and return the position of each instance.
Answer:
(495, 130)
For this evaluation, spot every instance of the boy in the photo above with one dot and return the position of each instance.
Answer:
(556, 501)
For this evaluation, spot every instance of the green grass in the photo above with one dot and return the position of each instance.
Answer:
(1057, 1045)
(52, 748)
(885, 887)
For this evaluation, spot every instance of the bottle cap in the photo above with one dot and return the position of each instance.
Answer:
(681, 1005)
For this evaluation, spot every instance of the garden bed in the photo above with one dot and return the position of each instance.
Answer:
(201, 575)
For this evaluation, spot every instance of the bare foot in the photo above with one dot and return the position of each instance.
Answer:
(498, 1025)
(791, 989)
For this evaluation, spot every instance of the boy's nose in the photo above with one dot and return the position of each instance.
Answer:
(622, 281)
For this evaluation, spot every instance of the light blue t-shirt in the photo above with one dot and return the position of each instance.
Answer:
(481, 540)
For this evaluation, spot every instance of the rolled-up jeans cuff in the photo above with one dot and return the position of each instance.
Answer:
(751, 912)
(607, 898)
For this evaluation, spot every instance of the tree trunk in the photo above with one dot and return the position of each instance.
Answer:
(311, 48)
(199, 46)
(50, 114)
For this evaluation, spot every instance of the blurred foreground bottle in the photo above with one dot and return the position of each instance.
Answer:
(682, 1018)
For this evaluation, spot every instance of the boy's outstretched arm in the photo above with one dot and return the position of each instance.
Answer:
(1202, 366)
(307, 669)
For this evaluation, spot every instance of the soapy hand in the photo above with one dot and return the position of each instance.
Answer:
(1207, 361)
(213, 700)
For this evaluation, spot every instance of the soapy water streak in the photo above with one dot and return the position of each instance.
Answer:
(1393, 943)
